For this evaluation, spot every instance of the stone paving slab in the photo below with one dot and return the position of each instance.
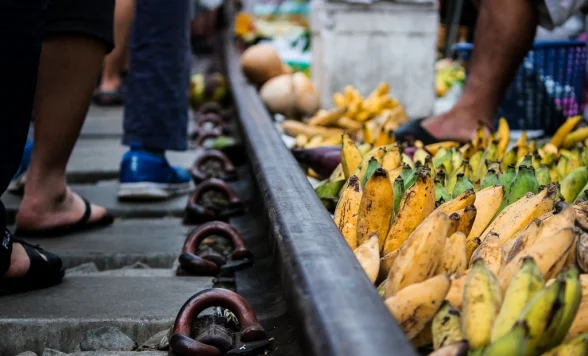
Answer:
(98, 159)
(129, 272)
(104, 194)
(155, 242)
(60, 316)
(119, 353)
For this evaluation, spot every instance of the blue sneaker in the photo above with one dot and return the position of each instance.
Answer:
(148, 176)
(17, 182)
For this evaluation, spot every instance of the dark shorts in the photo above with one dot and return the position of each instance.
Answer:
(90, 17)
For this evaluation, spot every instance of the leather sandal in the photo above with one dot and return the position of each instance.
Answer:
(41, 274)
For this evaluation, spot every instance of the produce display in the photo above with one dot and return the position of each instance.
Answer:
(474, 248)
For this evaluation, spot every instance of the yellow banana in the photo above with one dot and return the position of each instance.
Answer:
(424, 338)
(567, 127)
(416, 305)
(454, 259)
(580, 324)
(471, 245)
(376, 206)
(392, 158)
(575, 137)
(549, 253)
(434, 147)
(348, 124)
(446, 326)
(386, 263)
(519, 214)
(490, 251)
(420, 255)
(417, 203)
(487, 203)
(522, 239)
(572, 300)
(467, 217)
(327, 117)
(525, 284)
(464, 199)
(503, 136)
(350, 156)
(455, 293)
(368, 255)
(347, 211)
(481, 303)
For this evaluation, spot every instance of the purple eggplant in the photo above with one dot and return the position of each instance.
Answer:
(323, 160)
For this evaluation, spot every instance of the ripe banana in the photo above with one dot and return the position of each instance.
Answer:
(575, 137)
(386, 263)
(548, 252)
(454, 260)
(368, 255)
(503, 136)
(420, 255)
(418, 202)
(481, 303)
(416, 305)
(446, 326)
(375, 208)
(392, 158)
(434, 147)
(525, 284)
(525, 237)
(467, 216)
(513, 343)
(567, 127)
(347, 211)
(582, 251)
(350, 156)
(466, 198)
(455, 294)
(490, 251)
(542, 312)
(487, 202)
(518, 215)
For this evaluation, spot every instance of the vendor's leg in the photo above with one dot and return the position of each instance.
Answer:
(21, 27)
(71, 58)
(504, 34)
(156, 104)
(116, 61)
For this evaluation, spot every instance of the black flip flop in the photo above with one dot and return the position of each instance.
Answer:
(108, 98)
(82, 225)
(413, 131)
(41, 274)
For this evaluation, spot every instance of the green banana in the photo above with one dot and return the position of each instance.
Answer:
(439, 156)
(525, 284)
(429, 165)
(584, 156)
(506, 180)
(574, 161)
(536, 161)
(542, 174)
(578, 346)
(543, 311)
(510, 157)
(409, 181)
(456, 158)
(490, 179)
(405, 172)
(328, 192)
(573, 183)
(441, 192)
(461, 185)
(572, 299)
(446, 326)
(527, 161)
(514, 343)
(475, 162)
(373, 164)
(524, 182)
(398, 189)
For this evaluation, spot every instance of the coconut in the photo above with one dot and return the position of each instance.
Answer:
(279, 95)
(308, 99)
(260, 63)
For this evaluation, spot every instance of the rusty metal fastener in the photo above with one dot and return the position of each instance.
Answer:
(181, 342)
(227, 171)
(197, 212)
(210, 265)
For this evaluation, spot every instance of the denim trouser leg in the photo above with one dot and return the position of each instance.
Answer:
(156, 103)
(21, 33)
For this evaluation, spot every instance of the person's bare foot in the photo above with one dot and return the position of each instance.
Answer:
(453, 126)
(19, 262)
(41, 213)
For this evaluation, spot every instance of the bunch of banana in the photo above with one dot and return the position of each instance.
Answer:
(447, 74)
(369, 120)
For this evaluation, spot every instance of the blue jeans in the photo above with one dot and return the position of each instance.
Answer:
(21, 34)
(156, 102)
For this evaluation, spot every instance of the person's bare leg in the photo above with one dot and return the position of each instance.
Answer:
(68, 70)
(504, 34)
(116, 61)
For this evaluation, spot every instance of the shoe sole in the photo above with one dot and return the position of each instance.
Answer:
(152, 191)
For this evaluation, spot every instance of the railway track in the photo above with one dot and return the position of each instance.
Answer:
(258, 243)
